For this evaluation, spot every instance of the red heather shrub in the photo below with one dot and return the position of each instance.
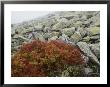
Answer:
(41, 59)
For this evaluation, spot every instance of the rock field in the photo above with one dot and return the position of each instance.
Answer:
(80, 28)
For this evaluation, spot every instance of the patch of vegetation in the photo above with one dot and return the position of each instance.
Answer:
(41, 59)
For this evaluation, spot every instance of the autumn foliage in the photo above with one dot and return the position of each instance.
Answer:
(41, 59)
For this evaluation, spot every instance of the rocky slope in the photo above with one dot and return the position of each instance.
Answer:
(77, 28)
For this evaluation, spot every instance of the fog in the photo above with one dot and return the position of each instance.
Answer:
(21, 16)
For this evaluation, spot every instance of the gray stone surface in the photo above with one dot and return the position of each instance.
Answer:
(95, 48)
(68, 31)
(78, 28)
(86, 50)
(88, 70)
(76, 37)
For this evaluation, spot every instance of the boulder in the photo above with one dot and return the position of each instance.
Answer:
(49, 22)
(38, 27)
(60, 25)
(12, 32)
(62, 20)
(68, 31)
(89, 16)
(95, 37)
(84, 17)
(72, 43)
(82, 31)
(68, 15)
(15, 43)
(72, 22)
(86, 59)
(88, 70)
(86, 39)
(76, 37)
(86, 23)
(23, 38)
(93, 31)
(37, 36)
(18, 30)
(84, 47)
(46, 29)
(15, 36)
(54, 33)
(95, 48)
(40, 37)
(97, 24)
(47, 35)
(53, 38)
(78, 24)
(28, 30)
(64, 38)
(91, 39)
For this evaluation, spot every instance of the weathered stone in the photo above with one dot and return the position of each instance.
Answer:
(93, 31)
(64, 38)
(18, 30)
(72, 22)
(86, 39)
(68, 15)
(78, 24)
(88, 70)
(97, 24)
(63, 20)
(13, 49)
(23, 38)
(60, 25)
(68, 31)
(13, 40)
(53, 38)
(12, 32)
(49, 22)
(76, 37)
(84, 17)
(72, 43)
(24, 31)
(47, 35)
(46, 29)
(86, 50)
(38, 27)
(86, 24)
(55, 33)
(86, 59)
(36, 36)
(15, 36)
(40, 37)
(82, 31)
(91, 39)
(15, 43)
(95, 37)
(89, 16)
(95, 49)
(33, 36)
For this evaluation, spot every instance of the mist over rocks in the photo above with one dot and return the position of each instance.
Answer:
(79, 28)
